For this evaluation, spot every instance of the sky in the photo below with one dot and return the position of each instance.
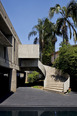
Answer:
(24, 15)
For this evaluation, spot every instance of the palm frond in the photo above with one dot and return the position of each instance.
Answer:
(59, 24)
(74, 31)
(72, 11)
(54, 10)
(64, 9)
(57, 8)
(31, 34)
(36, 40)
(51, 12)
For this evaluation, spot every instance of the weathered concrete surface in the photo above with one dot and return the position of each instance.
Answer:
(32, 64)
(4, 41)
(29, 97)
(8, 37)
(13, 80)
(56, 80)
(4, 19)
(28, 51)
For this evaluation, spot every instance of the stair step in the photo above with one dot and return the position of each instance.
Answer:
(50, 81)
(57, 83)
(59, 90)
(54, 85)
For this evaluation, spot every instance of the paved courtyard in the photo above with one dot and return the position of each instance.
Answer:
(26, 97)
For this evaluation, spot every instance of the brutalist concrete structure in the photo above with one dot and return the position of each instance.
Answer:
(13, 55)
(16, 58)
(9, 41)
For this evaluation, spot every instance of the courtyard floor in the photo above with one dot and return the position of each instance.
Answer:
(26, 97)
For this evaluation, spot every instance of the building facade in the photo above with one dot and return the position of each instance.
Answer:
(15, 58)
(9, 63)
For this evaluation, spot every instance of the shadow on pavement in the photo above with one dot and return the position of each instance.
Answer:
(4, 97)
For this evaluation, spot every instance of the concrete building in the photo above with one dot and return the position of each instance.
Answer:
(13, 55)
(15, 58)
(9, 42)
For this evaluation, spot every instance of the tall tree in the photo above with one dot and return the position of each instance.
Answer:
(38, 30)
(63, 22)
(46, 36)
(50, 34)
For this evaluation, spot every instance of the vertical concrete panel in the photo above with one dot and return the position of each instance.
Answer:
(1, 51)
(13, 80)
(9, 50)
(12, 49)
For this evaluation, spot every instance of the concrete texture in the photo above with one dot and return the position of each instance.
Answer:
(13, 80)
(56, 80)
(18, 57)
(9, 29)
(9, 41)
(34, 98)
(28, 51)
(4, 41)
(32, 64)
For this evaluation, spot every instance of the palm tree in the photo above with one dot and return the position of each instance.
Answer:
(38, 30)
(46, 33)
(63, 22)
(50, 33)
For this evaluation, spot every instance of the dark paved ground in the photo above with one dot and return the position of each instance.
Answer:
(28, 97)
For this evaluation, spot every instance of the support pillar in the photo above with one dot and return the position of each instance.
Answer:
(26, 77)
(13, 80)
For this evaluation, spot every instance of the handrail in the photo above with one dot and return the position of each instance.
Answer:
(42, 68)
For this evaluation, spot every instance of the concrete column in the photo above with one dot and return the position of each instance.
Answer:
(26, 77)
(13, 80)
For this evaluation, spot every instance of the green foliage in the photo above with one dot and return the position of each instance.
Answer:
(64, 24)
(46, 58)
(34, 76)
(67, 60)
(47, 51)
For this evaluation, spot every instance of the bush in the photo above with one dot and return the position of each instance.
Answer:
(34, 76)
(67, 60)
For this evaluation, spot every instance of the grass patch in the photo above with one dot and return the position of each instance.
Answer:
(37, 87)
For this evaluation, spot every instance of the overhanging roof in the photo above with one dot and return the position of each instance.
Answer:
(4, 41)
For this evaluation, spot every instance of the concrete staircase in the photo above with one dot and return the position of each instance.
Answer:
(53, 80)
(29, 60)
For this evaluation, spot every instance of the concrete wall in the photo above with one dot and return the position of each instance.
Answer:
(56, 80)
(1, 51)
(9, 55)
(28, 51)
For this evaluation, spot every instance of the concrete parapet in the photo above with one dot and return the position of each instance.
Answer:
(28, 51)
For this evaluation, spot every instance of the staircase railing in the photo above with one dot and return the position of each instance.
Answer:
(41, 67)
